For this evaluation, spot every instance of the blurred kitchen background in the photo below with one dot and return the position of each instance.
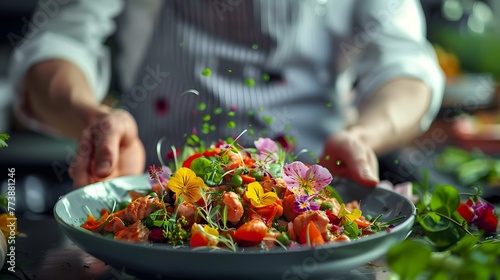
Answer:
(465, 34)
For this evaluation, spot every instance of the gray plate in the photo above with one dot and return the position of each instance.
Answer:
(163, 261)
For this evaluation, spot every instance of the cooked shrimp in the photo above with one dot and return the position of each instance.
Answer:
(137, 232)
(141, 208)
(114, 225)
(341, 238)
(320, 221)
(234, 207)
(187, 210)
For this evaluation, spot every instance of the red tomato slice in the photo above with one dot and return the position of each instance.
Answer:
(311, 231)
(253, 231)
(247, 179)
(198, 239)
(189, 160)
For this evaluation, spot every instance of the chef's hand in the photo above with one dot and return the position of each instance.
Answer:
(108, 148)
(345, 155)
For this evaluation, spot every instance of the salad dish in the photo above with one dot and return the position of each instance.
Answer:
(234, 211)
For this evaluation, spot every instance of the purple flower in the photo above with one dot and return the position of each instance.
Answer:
(484, 217)
(304, 203)
(160, 173)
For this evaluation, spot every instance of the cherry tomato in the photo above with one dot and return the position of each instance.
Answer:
(311, 235)
(465, 211)
(253, 231)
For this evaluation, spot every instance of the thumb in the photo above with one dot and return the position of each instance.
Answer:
(106, 155)
(365, 175)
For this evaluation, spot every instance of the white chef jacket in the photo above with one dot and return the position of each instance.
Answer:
(283, 67)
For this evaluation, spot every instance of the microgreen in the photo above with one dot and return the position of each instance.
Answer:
(3, 140)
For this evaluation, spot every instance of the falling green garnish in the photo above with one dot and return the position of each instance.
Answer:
(255, 46)
(206, 118)
(230, 114)
(288, 127)
(205, 128)
(261, 109)
(250, 112)
(230, 71)
(213, 127)
(266, 77)
(329, 104)
(231, 124)
(181, 44)
(267, 119)
(327, 157)
(201, 106)
(206, 72)
(218, 111)
(250, 82)
(251, 132)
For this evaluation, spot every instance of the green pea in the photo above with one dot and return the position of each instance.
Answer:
(283, 238)
(256, 174)
(325, 205)
(236, 181)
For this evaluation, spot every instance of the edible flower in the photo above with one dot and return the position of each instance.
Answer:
(346, 216)
(159, 174)
(257, 196)
(301, 179)
(267, 148)
(184, 183)
(304, 203)
(484, 217)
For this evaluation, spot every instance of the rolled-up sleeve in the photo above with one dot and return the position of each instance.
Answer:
(73, 31)
(390, 36)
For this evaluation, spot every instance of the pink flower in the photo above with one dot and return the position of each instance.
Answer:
(268, 149)
(301, 179)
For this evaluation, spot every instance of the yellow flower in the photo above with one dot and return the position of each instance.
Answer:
(210, 230)
(5, 221)
(184, 183)
(257, 196)
(345, 216)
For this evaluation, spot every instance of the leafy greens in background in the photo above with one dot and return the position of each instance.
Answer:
(469, 167)
(454, 237)
(3, 139)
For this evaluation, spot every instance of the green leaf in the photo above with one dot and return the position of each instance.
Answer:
(445, 200)
(201, 166)
(333, 193)
(451, 158)
(3, 140)
(351, 230)
(464, 245)
(473, 171)
(431, 222)
(275, 169)
(408, 259)
(445, 238)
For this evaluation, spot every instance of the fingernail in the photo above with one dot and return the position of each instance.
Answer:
(368, 174)
(103, 167)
